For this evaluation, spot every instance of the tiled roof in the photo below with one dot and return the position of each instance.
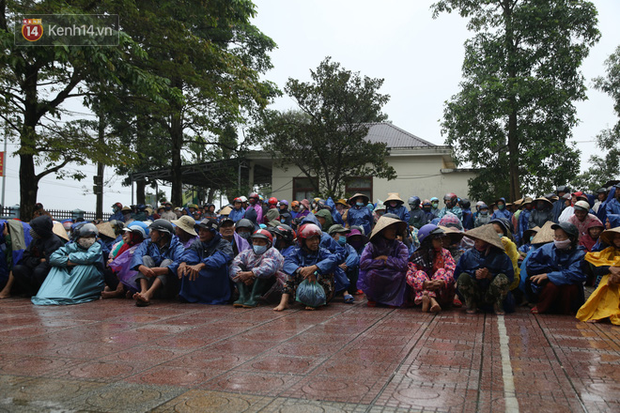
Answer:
(394, 136)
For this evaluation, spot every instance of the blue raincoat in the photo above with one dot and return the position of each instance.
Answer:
(212, 285)
(362, 216)
(73, 284)
(19, 233)
(563, 267)
(299, 257)
(236, 214)
(174, 252)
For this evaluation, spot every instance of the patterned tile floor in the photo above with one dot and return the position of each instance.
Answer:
(110, 356)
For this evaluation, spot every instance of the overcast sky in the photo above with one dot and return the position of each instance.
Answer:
(397, 40)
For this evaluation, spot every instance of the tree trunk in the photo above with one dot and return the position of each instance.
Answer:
(176, 132)
(28, 187)
(513, 139)
(140, 192)
(100, 171)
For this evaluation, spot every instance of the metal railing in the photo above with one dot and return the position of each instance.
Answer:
(57, 214)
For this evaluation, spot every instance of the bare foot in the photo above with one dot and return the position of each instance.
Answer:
(5, 295)
(534, 310)
(141, 300)
(111, 294)
(435, 307)
(498, 310)
(310, 308)
(280, 308)
(472, 310)
(426, 303)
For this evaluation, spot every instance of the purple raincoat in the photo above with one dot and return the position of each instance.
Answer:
(384, 282)
(122, 267)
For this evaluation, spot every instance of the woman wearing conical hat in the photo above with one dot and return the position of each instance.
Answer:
(383, 264)
(484, 273)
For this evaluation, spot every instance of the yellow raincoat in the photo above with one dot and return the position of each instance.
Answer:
(605, 300)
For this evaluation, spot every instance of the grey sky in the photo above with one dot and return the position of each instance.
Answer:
(419, 58)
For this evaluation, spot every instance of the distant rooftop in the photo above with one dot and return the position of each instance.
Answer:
(394, 136)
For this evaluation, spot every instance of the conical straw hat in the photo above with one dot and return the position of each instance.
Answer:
(393, 196)
(59, 230)
(106, 229)
(545, 234)
(454, 234)
(350, 201)
(608, 235)
(385, 222)
(487, 234)
(544, 200)
(226, 211)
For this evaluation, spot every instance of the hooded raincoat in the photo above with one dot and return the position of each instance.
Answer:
(73, 284)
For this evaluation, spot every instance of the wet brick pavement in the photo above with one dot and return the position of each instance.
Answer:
(110, 356)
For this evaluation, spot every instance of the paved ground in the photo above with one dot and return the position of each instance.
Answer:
(110, 356)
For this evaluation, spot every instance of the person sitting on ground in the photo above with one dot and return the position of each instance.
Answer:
(484, 273)
(14, 239)
(285, 215)
(383, 265)
(431, 271)
(284, 239)
(185, 231)
(427, 209)
(33, 267)
(237, 212)
(604, 302)
(395, 205)
(76, 274)
(555, 275)
(468, 217)
(501, 212)
(502, 227)
(118, 275)
(227, 231)
(116, 213)
(358, 214)
(523, 221)
(582, 219)
(308, 261)
(450, 199)
(255, 270)
(593, 231)
(528, 236)
(418, 218)
(350, 266)
(156, 261)
(542, 213)
(255, 204)
(168, 213)
(203, 268)
(483, 217)
(245, 228)
(358, 241)
(209, 211)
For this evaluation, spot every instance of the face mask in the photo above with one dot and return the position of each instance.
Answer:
(500, 235)
(342, 240)
(259, 249)
(86, 243)
(484, 213)
(427, 208)
(393, 204)
(501, 206)
(435, 204)
(245, 235)
(562, 245)
(359, 204)
(167, 208)
(531, 238)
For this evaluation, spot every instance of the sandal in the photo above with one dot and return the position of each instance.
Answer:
(348, 299)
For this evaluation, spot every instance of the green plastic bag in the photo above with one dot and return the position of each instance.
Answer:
(311, 294)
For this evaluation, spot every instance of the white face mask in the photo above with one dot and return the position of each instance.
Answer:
(86, 243)
(562, 245)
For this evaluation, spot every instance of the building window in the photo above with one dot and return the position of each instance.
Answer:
(359, 184)
(303, 189)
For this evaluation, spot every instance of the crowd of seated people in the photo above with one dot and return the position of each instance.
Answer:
(537, 252)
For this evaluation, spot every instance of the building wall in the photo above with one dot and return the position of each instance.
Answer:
(419, 175)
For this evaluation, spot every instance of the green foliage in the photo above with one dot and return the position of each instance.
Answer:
(515, 111)
(37, 82)
(606, 167)
(325, 138)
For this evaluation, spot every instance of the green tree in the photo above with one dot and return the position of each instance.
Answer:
(325, 137)
(606, 167)
(213, 57)
(36, 83)
(515, 110)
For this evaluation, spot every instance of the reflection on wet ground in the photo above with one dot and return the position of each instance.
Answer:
(110, 356)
